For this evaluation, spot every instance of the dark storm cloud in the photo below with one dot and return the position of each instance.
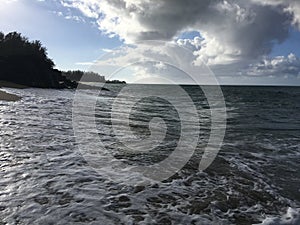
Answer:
(231, 31)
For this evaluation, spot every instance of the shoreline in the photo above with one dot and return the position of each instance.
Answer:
(4, 96)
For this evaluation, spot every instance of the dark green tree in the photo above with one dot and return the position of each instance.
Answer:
(26, 62)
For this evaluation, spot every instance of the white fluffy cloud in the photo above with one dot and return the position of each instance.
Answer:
(231, 31)
(280, 65)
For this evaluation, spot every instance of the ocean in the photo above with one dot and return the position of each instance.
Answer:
(47, 178)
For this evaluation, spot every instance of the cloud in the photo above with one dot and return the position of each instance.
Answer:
(75, 18)
(242, 28)
(107, 50)
(87, 8)
(236, 32)
(10, 1)
(277, 66)
(291, 6)
(69, 16)
(191, 44)
(233, 32)
(85, 63)
(155, 59)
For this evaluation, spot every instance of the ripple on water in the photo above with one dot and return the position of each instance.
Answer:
(45, 179)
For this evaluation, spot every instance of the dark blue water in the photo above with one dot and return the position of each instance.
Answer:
(255, 179)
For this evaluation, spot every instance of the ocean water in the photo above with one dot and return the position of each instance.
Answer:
(255, 179)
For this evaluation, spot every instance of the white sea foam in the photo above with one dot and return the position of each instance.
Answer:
(292, 217)
(45, 179)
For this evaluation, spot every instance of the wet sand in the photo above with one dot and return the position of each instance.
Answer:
(4, 96)
(8, 97)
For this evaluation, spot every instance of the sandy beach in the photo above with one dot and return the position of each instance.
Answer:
(8, 97)
(4, 96)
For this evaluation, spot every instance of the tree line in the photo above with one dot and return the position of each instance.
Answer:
(27, 63)
(77, 75)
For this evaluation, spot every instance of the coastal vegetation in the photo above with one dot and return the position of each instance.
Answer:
(26, 63)
(78, 75)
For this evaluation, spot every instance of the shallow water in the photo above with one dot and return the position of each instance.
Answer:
(254, 180)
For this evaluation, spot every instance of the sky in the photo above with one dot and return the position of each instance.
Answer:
(254, 42)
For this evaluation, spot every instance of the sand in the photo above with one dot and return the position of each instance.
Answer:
(8, 97)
